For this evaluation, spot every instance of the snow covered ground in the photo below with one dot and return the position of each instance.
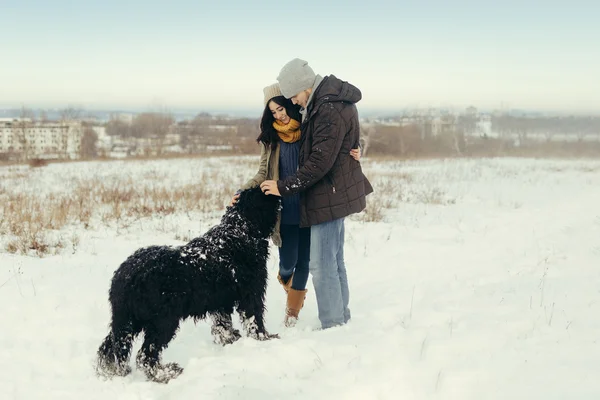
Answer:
(480, 281)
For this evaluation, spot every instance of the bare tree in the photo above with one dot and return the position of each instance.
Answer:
(117, 127)
(22, 130)
(194, 134)
(365, 137)
(153, 126)
(467, 123)
(458, 142)
(88, 143)
(69, 131)
(71, 113)
(43, 117)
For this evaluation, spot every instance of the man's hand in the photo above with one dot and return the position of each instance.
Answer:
(270, 187)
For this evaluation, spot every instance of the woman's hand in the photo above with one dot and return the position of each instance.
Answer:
(355, 153)
(234, 200)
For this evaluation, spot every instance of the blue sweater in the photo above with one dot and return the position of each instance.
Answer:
(288, 165)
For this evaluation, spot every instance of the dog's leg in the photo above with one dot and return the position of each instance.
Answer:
(222, 329)
(112, 359)
(157, 337)
(113, 354)
(251, 314)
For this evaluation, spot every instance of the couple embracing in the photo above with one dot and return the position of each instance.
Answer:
(309, 137)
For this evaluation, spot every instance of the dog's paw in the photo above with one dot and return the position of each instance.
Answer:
(173, 370)
(234, 336)
(164, 373)
(109, 370)
(123, 370)
(225, 337)
(265, 336)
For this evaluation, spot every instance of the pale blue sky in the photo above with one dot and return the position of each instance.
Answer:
(220, 54)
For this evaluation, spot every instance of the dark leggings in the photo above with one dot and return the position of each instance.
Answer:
(294, 255)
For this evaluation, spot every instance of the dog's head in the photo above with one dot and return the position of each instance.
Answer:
(259, 209)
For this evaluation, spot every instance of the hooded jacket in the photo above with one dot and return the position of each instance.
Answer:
(331, 182)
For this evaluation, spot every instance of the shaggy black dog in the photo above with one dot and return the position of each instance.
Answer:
(159, 286)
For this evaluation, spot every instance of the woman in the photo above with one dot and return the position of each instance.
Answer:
(280, 145)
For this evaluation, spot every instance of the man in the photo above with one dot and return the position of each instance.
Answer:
(330, 181)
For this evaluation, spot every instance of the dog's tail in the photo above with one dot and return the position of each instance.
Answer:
(114, 352)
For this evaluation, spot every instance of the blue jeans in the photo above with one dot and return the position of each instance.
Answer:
(294, 255)
(329, 272)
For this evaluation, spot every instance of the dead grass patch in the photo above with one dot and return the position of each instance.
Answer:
(31, 221)
(27, 217)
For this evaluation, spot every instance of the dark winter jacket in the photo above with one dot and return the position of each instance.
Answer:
(331, 182)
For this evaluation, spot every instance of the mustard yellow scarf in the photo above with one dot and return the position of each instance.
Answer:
(289, 132)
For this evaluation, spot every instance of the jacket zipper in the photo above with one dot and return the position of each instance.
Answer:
(330, 179)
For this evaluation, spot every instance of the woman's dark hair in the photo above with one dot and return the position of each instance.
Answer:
(268, 134)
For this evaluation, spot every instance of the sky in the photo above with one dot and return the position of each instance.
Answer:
(218, 55)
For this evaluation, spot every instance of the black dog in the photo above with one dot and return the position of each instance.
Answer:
(158, 286)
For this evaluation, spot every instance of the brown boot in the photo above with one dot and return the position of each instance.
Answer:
(295, 302)
(286, 286)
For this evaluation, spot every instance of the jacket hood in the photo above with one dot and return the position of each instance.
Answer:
(330, 90)
(334, 89)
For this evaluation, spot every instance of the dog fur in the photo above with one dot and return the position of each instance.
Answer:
(159, 286)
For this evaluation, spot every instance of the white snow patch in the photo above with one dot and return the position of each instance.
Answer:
(492, 296)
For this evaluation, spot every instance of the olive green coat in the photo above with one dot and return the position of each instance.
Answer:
(268, 169)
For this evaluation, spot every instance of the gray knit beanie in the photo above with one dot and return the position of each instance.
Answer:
(294, 77)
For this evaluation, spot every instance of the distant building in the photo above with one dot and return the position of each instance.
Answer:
(125, 117)
(471, 111)
(22, 138)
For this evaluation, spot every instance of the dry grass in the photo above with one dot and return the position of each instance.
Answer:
(27, 218)
(30, 221)
(117, 194)
(33, 222)
(432, 195)
(375, 210)
(389, 183)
